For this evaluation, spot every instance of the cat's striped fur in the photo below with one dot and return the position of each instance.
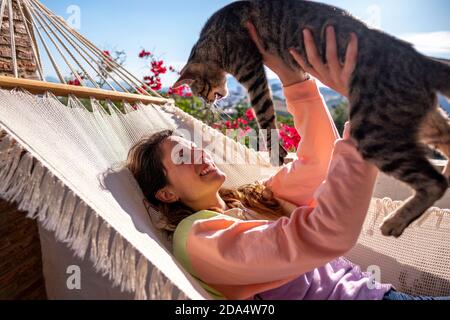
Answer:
(393, 96)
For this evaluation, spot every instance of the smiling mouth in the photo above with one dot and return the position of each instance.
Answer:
(208, 170)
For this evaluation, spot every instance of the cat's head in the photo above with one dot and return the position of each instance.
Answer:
(206, 80)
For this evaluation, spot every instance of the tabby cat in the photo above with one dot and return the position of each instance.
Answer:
(394, 113)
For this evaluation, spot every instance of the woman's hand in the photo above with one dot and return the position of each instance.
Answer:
(347, 130)
(333, 74)
(287, 76)
(347, 133)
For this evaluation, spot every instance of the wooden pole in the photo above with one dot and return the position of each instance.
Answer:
(58, 89)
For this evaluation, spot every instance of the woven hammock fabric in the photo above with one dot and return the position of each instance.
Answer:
(71, 179)
(417, 263)
(63, 165)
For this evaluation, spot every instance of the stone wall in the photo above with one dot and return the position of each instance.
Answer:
(26, 63)
(20, 251)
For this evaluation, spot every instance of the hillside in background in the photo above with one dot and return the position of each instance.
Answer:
(332, 98)
(444, 104)
(239, 94)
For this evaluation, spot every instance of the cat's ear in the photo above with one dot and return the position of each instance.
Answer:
(188, 75)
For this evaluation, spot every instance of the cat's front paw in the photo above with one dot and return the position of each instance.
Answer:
(394, 226)
(282, 156)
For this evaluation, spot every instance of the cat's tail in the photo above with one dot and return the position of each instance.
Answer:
(439, 75)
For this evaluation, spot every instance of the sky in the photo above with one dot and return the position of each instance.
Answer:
(171, 28)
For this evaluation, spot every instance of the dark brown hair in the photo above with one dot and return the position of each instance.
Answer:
(145, 163)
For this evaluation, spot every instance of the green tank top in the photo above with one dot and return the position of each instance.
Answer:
(180, 238)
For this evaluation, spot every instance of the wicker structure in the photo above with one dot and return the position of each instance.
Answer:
(20, 251)
(22, 43)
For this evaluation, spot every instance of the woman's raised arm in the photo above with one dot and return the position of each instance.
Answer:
(225, 252)
(297, 181)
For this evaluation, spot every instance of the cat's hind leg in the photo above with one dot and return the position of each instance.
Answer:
(397, 153)
(435, 132)
(428, 184)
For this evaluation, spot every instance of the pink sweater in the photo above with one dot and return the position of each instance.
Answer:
(241, 259)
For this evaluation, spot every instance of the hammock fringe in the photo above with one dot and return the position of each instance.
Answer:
(435, 217)
(60, 211)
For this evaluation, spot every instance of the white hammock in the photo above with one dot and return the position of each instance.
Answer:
(63, 166)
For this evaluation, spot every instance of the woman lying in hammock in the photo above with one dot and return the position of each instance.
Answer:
(283, 238)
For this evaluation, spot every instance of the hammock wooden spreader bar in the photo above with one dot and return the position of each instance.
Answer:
(58, 89)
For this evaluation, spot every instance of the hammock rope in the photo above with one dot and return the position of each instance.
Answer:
(34, 47)
(61, 43)
(13, 39)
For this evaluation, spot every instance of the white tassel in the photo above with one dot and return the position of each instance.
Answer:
(54, 206)
(8, 168)
(167, 290)
(155, 285)
(48, 184)
(117, 260)
(76, 230)
(46, 199)
(141, 279)
(30, 199)
(129, 269)
(65, 218)
(81, 244)
(160, 288)
(182, 296)
(5, 141)
(91, 235)
(20, 179)
(6, 145)
(101, 261)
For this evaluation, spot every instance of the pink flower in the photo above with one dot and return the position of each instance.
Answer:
(144, 54)
(290, 137)
(74, 82)
(250, 114)
(182, 91)
(243, 121)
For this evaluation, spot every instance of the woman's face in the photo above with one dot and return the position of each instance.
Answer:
(191, 172)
